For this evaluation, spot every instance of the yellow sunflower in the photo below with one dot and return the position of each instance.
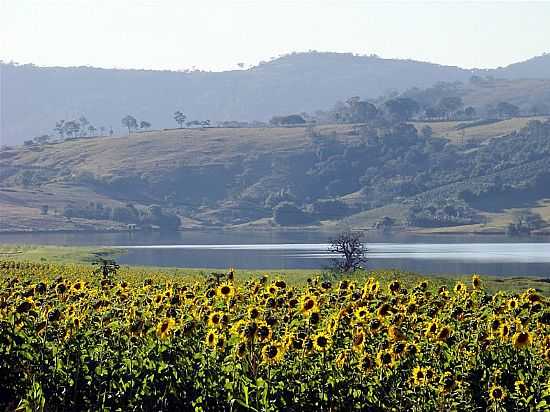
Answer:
(447, 382)
(512, 304)
(211, 339)
(358, 341)
(521, 387)
(254, 312)
(361, 314)
(385, 359)
(521, 339)
(240, 350)
(394, 287)
(215, 319)
(366, 363)
(432, 328)
(495, 324)
(308, 305)
(225, 291)
(476, 282)
(264, 333)
(321, 342)
(497, 393)
(272, 353)
(460, 288)
(418, 376)
(504, 330)
(443, 334)
(341, 359)
(164, 328)
(77, 286)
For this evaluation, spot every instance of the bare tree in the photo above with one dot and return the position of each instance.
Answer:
(350, 247)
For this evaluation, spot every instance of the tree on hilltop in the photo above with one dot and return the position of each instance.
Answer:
(130, 122)
(180, 118)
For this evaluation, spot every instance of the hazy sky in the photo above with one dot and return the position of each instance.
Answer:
(216, 35)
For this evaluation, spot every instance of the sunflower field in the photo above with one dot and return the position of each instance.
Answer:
(72, 339)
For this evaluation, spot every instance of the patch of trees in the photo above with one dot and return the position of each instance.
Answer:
(442, 215)
(288, 214)
(132, 124)
(330, 209)
(153, 215)
(525, 221)
(80, 127)
(290, 120)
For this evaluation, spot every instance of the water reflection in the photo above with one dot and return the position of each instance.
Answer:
(289, 250)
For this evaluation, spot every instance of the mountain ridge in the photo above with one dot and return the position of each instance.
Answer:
(33, 98)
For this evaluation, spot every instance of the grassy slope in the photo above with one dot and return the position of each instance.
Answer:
(54, 254)
(447, 130)
(132, 155)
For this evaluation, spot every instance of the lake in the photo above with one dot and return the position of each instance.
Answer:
(441, 254)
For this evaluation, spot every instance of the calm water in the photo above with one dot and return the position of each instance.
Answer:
(492, 255)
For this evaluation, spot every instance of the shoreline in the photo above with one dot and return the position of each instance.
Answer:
(416, 231)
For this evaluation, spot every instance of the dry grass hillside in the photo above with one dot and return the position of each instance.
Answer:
(210, 176)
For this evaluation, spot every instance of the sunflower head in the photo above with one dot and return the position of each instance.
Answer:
(226, 291)
(432, 328)
(476, 282)
(385, 359)
(512, 304)
(254, 312)
(418, 376)
(521, 387)
(494, 324)
(264, 333)
(164, 328)
(361, 314)
(366, 363)
(504, 330)
(341, 359)
(211, 339)
(411, 349)
(358, 340)
(215, 319)
(395, 334)
(272, 353)
(383, 310)
(521, 339)
(240, 350)
(308, 305)
(443, 334)
(460, 288)
(497, 393)
(448, 383)
(321, 342)
(394, 286)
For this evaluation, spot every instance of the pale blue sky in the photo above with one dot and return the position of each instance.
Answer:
(216, 35)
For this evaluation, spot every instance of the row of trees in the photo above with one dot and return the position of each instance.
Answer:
(80, 127)
(74, 128)
(152, 215)
(181, 120)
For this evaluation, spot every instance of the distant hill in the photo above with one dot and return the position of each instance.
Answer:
(34, 98)
(285, 175)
